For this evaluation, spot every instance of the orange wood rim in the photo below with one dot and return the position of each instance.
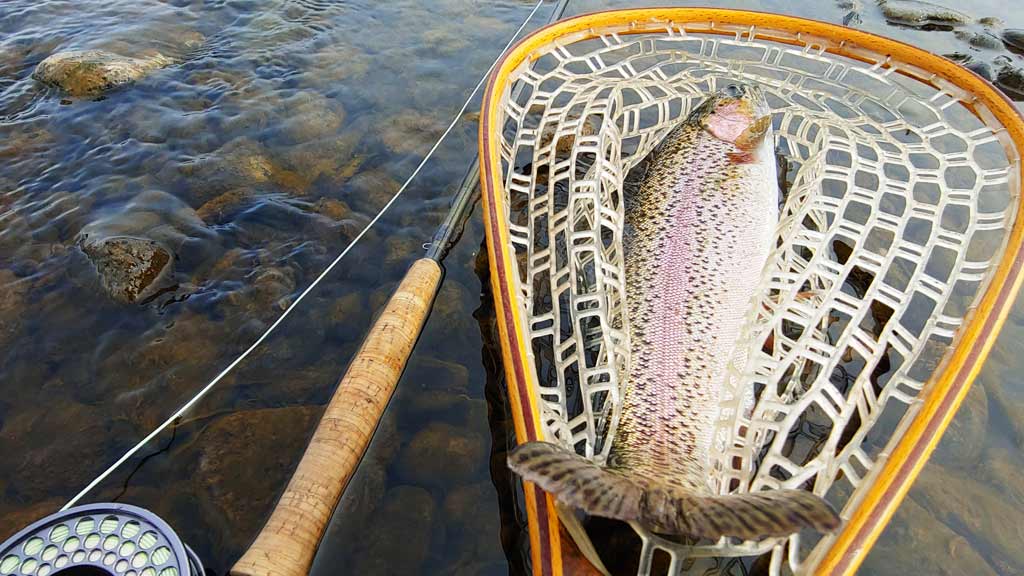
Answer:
(943, 393)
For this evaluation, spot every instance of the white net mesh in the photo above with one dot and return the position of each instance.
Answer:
(898, 205)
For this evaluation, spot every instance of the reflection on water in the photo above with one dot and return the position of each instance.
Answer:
(252, 159)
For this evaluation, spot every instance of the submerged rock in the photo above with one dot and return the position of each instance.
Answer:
(333, 209)
(915, 542)
(1014, 39)
(920, 14)
(979, 67)
(410, 133)
(267, 288)
(474, 544)
(216, 210)
(369, 190)
(244, 460)
(1010, 78)
(128, 267)
(311, 116)
(1001, 468)
(981, 40)
(399, 541)
(133, 248)
(977, 512)
(442, 455)
(965, 438)
(92, 72)
(241, 163)
(12, 303)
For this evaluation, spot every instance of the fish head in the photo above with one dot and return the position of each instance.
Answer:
(738, 114)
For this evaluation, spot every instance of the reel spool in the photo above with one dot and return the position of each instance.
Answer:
(99, 540)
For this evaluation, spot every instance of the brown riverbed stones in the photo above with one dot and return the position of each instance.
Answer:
(128, 267)
(13, 291)
(92, 72)
(401, 543)
(963, 441)
(442, 455)
(244, 459)
(919, 14)
(911, 542)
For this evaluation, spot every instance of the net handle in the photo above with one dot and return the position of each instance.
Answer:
(947, 387)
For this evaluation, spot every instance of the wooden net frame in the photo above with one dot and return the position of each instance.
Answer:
(898, 254)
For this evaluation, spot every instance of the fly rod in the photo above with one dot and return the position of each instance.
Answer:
(287, 544)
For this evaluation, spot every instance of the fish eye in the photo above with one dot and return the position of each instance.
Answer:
(733, 91)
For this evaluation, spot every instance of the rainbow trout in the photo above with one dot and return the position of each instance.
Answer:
(699, 233)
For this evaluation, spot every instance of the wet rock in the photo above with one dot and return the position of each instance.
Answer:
(21, 516)
(333, 159)
(462, 505)
(311, 116)
(1010, 78)
(399, 540)
(169, 358)
(129, 268)
(400, 249)
(1014, 39)
(79, 442)
(218, 209)
(916, 543)
(410, 133)
(1000, 468)
(437, 388)
(369, 190)
(980, 40)
(452, 313)
(473, 542)
(980, 67)
(154, 215)
(977, 512)
(920, 14)
(445, 41)
(333, 209)
(92, 72)
(386, 440)
(442, 455)
(241, 163)
(268, 288)
(1007, 409)
(134, 247)
(348, 308)
(244, 459)
(336, 62)
(13, 293)
(965, 438)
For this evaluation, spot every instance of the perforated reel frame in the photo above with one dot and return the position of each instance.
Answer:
(898, 252)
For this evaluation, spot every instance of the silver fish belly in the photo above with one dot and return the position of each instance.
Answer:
(700, 231)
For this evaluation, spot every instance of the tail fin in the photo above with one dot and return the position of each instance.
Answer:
(666, 508)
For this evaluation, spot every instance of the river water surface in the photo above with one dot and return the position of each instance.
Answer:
(282, 128)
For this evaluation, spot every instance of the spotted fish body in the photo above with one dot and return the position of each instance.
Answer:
(699, 233)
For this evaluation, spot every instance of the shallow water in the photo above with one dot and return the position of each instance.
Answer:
(258, 157)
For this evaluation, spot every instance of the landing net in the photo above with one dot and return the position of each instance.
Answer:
(903, 191)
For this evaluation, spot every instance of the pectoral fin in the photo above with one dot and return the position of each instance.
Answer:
(667, 508)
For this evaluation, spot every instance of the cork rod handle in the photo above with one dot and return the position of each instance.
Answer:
(288, 542)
